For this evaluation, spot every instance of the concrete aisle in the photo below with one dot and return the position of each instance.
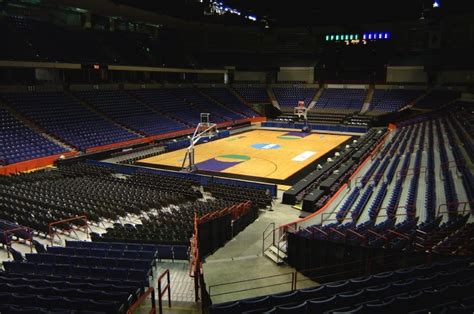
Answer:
(241, 259)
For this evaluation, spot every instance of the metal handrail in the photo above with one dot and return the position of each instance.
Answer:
(377, 234)
(264, 237)
(398, 234)
(447, 205)
(355, 233)
(142, 298)
(166, 288)
(249, 280)
(8, 240)
(52, 233)
(337, 231)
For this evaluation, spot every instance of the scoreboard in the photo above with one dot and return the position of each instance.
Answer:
(357, 38)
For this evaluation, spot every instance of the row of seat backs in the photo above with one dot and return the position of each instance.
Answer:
(458, 268)
(175, 252)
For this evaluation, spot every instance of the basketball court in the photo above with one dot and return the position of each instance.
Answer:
(270, 156)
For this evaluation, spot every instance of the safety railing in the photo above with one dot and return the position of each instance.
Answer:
(453, 163)
(327, 220)
(411, 172)
(285, 279)
(23, 235)
(460, 208)
(396, 212)
(266, 234)
(194, 249)
(53, 232)
(141, 300)
(293, 226)
(447, 241)
(352, 269)
(456, 243)
(294, 280)
(166, 288)
(236, 210)
(195, 265)
(349, 234)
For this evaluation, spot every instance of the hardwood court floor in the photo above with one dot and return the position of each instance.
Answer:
(259, 153)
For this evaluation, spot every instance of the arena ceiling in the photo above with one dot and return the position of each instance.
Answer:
(308, 12)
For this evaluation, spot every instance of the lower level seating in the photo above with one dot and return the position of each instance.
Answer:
(425, 288)
(76, 278)
(32, 292)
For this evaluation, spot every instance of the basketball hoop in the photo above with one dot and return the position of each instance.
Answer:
(301, 111)
(204, 129)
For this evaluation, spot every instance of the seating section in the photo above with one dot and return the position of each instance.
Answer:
(75, 278)
(218, 112)
(66, 118)
(173, 225)
(389, 100)
(90, 119)
(460, 130)
(441, 287)
(174, 252)
(289, 96)
(130, 112)
(253, 94)
(437, 98)
(399, 185)
(342, 100)
(259, 197)
(166, 101)
(92, 191)
(165, 206)
(227, 98)
(319, 185)
(8, 230)
(116, 116)
(19, 143)
(418, 183)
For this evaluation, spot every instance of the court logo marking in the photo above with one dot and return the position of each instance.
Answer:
(303, 156)
(293, 136)
(265, 146)
(222, 162)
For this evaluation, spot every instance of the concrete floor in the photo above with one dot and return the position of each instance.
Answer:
(241, 260)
